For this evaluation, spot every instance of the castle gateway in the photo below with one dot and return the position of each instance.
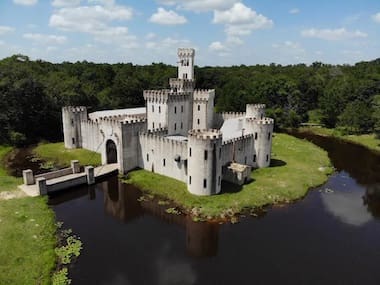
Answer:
(177, 134)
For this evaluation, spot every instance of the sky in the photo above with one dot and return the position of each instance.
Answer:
(223, 32)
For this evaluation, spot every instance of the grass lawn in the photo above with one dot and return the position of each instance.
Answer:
(7, 182)
(369, 140)
(27, 241)
(57, 154)
(301, 165)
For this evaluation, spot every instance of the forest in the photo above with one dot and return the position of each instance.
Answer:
(32, 93)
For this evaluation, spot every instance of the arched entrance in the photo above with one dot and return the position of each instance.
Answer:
(111, 152)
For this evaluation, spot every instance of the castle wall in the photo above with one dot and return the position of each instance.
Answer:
(92, 138)
(203, 109)
(179, 114)
(241, 150)
(130, 145)
(220, 118)
(164, 156)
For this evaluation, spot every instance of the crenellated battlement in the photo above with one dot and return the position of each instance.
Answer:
(232, 115)
(74, 109)
(159, 138)
(203, 94)
(211, 134)
(256, 106)
(180, 83)
(186, 52)
(238, 139)
(264, 121)
(156, 95)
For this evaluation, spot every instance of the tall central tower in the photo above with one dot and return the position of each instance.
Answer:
(186, 63)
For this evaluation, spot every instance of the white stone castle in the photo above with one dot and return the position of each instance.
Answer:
(177, 134)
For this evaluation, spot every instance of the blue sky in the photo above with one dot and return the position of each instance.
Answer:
(223, 32)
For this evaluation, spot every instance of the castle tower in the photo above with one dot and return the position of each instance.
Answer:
(262, 131)
(256, 111)
(71, 119)
(204, 162)
(203, 109)
(186, 63)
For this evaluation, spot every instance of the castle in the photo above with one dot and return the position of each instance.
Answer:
(177, 134)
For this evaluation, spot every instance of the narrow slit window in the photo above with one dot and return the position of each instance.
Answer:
(152, 108)
(199, 107)
(218, 180)
(254, 158)
(147, 157)
(255, 136)
(181, 125)
(189, 179)
(206, 153)
(175, 126)
(175, 109)
(159, 109)
(198, 122)
(182, 109)
(204, 183)
(190, 152)
(73, 140)
(153, 125)
(220, 152)
(269, 136)
(267, 158)
(164, 162)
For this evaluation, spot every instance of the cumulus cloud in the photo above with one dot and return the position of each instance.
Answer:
(167, 17)
(45, 39)
(167, 43)
(217, 46)
(65, 3)
(294, 11)
(5, 29)
(332, 34)
(25, 2)
(241, 20)
(200, 5)
(376, 17)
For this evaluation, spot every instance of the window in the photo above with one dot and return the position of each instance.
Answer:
(198, 121)
(153, 125)
(262, 116)
(255, 136)
(190, 151)
(164, 162)
(159, 125)
(147, 157)
(73, 140)
(218, 180)
(189, 179)
(159, 109)
(204, 183)
(205, 154)
(175, 126)
(185, 76)
(220, 152)
(254, 158)
(182, 109)
(267, 158)
(181, 125)
(269, 136)
(199, 107)
(175, 109)
(245, 160)
(72, 122)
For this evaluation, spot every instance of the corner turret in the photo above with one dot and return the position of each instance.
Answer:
(71, 119)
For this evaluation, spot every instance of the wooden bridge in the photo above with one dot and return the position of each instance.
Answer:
(50, 182)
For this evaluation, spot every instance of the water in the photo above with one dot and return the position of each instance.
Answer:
(330, 237)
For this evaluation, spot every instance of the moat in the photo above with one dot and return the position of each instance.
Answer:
(329, 237)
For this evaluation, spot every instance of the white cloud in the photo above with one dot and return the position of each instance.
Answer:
(25, 2)
(167, 17)
(45, 39)
(234, 40)
(167, 43)
(217, 46)
(65, 3)
(376, 17)
(332, 34)
(294, 11)
(200, 5)
(5, 29)
(150, 36)
(241, 20)
(89, 19)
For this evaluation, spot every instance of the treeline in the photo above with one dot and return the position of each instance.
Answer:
(33, 92)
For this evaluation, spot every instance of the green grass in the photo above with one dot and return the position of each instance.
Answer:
(7, 182)
(368, 140)
(27, 241)
(305, 166)
(57, 154)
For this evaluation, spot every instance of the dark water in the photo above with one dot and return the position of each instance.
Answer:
(330, 237)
